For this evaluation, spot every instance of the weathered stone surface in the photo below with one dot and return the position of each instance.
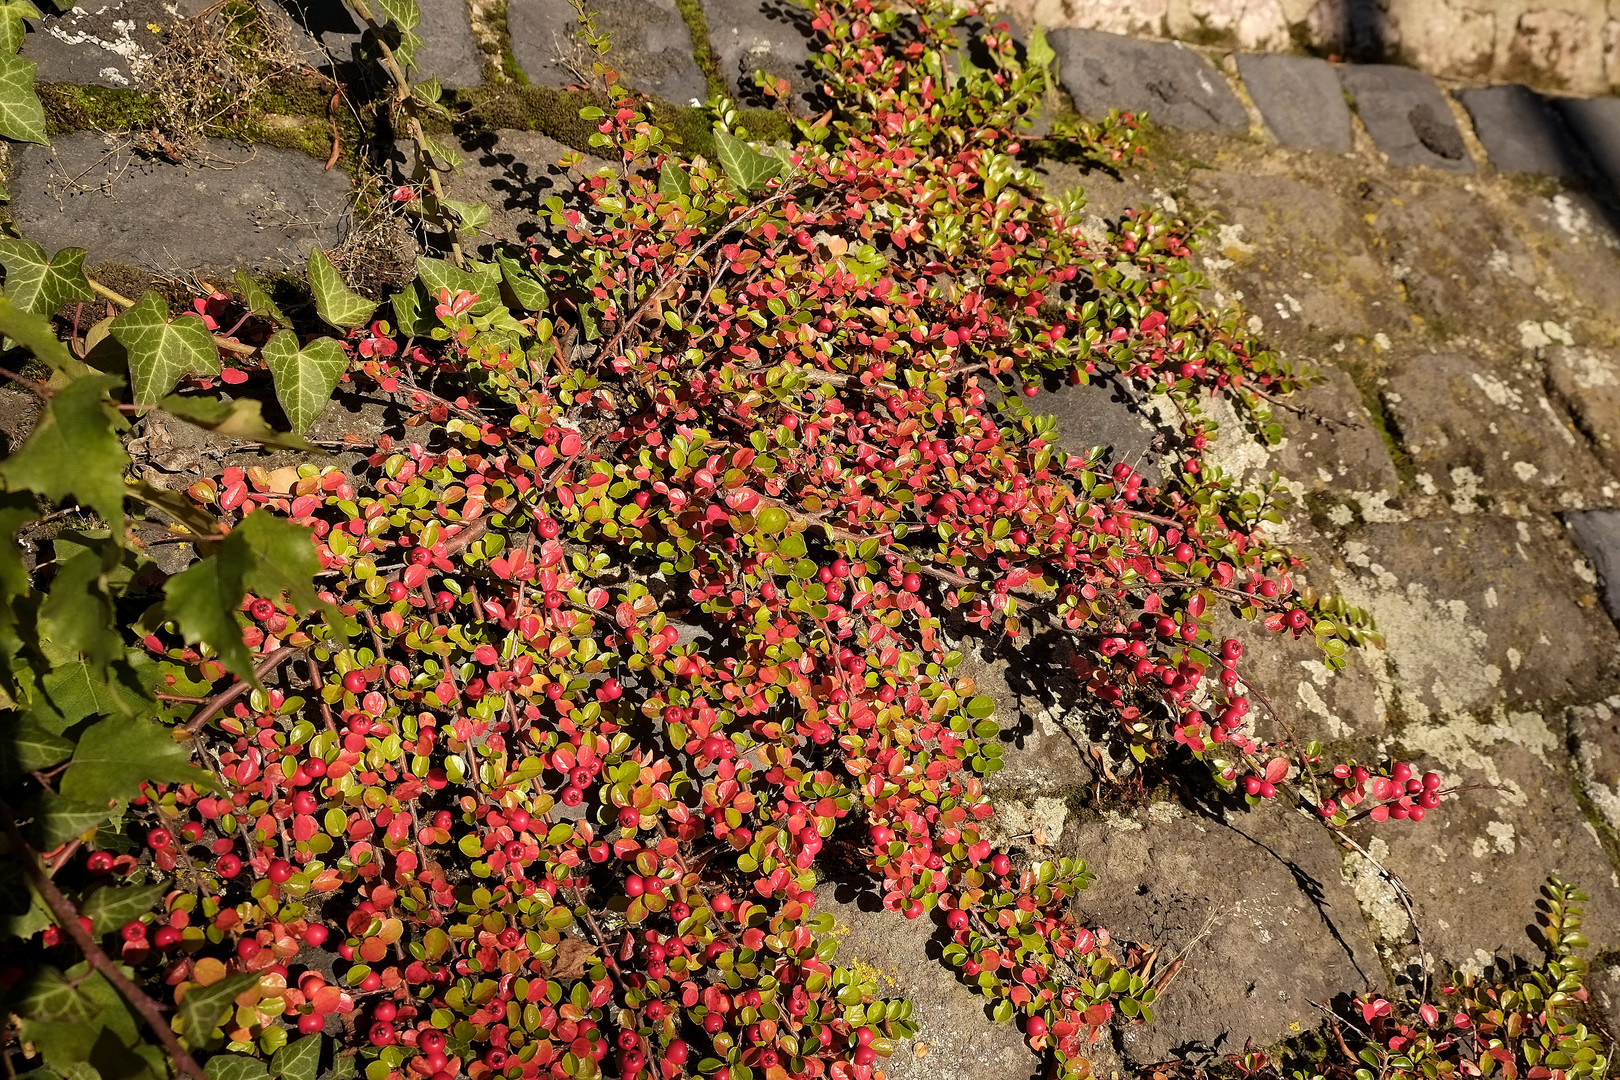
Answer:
(1474, 879)
(1594, 739)
(101, 44)
(955, 1037)
(513, 173)
(761, 35)
(332, 37)
(1300, 99)
(1256, 904)
(1520, 133)
(1587, 382)
(1333, 445)
(1294, 253)
(1478, 432)
(1101, 414)
(256, 207)
(1595, 125)
(1597, 534)
(1407, 116)
(652, 46)
(1175, 86)
(1476, 610)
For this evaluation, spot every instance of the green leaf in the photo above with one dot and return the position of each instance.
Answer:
(22, 117)
(472, 215)
(12, 28)
(39, 284)
(161, 351)
(746, 168)
(264, 554)
(27, 745)
(299, 1060)
(115, 755)
(239, 419)
(34, 333)
(334, 302)
(672, 180)
(76, 692)
(305, 378)
(525, 288)
(177, 506)
(257, 300)
(77, 617)
(58, 820)
(485, 282)
(1039, 53)
(402, 13)
(413, 314)
(235, 1067)
(110, 907)
(75, 450)
(50, 997)
(204, 1006)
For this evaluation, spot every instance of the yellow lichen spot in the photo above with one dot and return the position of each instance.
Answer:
(154, 27)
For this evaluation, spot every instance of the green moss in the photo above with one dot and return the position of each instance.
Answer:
(1383, 422)
(94, 108)
(708, 61)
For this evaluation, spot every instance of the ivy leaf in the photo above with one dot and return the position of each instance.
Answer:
(484, 281)
(472, 215)
(58, 820)
(305, 378)
(77, 693)
(50, 997)
(35, 282)
(264, 554)
(111, 906)
(257, 300)
(161, 351)
(115, 755)
(239, 419)
(22, 117)
(298, 1060)
(12, 29)
(235, 1067)
(334, 301)
(525, 288)
(203, 1006)
(27, 745)
(77, 617)
(672, 180)
(75, 450)
(1039, 53)
(745, 167)
(402, 13)
(34, 333)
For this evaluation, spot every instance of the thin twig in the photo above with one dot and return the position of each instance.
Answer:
(225, 697)
(67, 917)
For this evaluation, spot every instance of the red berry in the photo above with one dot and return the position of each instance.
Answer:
(310, 1023)
(1001, 866)
(165, 937)
(1037, 1027)
(228, 866)
(158, 839)
(315, 936)
(354, 682)
(134, 931)
(280, 871)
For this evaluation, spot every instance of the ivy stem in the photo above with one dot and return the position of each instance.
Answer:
(123, 301)
(67, 917)
(413, 127)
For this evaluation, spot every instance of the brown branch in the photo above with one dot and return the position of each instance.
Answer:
(225, 697)
(67, 917)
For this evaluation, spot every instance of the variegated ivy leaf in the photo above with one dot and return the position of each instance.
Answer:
(257, 300)
(22, 117)
(334, 301)
(38, 283)
(305, 378)
(12, 29)
(402, 13)
(161, 351)
(745, 167)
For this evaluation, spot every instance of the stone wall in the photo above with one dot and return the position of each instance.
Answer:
(1569, 45)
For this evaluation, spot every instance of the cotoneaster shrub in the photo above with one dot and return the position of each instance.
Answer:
(519, 750)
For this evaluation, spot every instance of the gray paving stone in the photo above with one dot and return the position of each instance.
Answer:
(760, 35)
(1174, 85)
(1595, 125)
(260, 208)
(98, 44)
(1519, 132)
(652, 45)
(1597, 534)
(331, 38)
(1407, 116)
(1300, 99)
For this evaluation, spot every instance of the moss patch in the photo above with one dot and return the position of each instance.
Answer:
(94, 108)
(1383, 421)
(708, 61)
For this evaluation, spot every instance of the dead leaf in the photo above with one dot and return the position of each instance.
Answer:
(573, 957)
